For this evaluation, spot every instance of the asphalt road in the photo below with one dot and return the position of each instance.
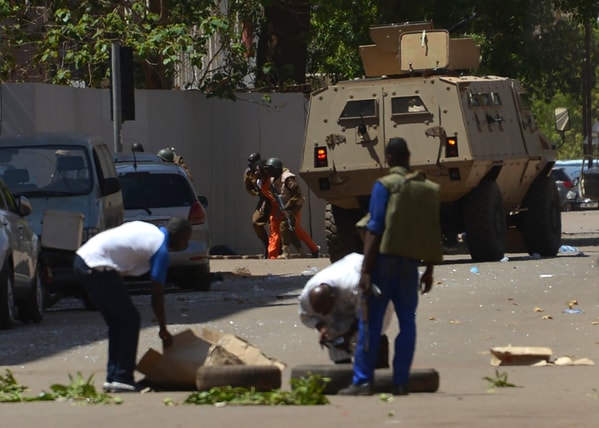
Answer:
(473, 307)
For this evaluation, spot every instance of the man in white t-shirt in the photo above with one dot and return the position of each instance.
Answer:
(131, 249)
(330, 303)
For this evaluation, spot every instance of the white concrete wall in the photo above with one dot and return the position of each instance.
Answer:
(214, 136)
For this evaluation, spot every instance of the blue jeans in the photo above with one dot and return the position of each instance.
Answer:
(109, 294)
(397, 277)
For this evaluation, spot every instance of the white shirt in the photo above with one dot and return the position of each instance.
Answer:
(127, 248)
(343, 276)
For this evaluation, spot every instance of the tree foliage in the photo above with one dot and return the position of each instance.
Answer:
(71, 41)
(225, 46)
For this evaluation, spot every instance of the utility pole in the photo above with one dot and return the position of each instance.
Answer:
(587, 106)
(115, 74)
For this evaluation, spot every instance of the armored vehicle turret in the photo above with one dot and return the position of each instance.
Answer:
(473, 135)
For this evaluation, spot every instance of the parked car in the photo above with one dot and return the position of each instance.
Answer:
(563, 182)
(574, 200)
(71, 183)
(22, 294)
(154, 191)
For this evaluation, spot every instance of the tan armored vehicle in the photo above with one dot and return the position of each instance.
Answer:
(474, 135)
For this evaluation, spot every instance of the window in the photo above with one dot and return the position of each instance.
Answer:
(406, 105)
(360, 109)
(473, 100)
(145, 190)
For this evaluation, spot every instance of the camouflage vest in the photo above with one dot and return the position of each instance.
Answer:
(413, 217)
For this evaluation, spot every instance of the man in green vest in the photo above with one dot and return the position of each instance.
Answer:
(402, 230)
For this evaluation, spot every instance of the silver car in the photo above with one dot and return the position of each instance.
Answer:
(22, 294)
(154, 191)
(563, 182)
(574, 200)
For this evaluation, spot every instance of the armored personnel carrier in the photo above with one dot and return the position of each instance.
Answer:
(473, 135)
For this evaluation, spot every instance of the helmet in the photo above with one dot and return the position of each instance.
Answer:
(253, 159)
(166, 154)
(274, 166)
(137, 147)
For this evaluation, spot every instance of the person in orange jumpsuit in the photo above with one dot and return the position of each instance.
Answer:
(286, 196)
(262, 210)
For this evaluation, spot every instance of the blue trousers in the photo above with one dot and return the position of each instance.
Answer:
(397, 277)
(109, 294)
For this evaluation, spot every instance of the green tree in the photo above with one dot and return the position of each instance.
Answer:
(69, 40)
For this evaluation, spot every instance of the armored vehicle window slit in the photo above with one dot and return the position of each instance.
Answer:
(473, 100)
(359, 109)
(485, 99)
(407, 105)
(524, 101)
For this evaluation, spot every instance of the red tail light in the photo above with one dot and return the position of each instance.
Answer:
(567, 184)
(197, 215)
(320, 157)
(451, 147)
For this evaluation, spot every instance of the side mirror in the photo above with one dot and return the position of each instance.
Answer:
(110, 185)
(24, 207)
(203, 200)
(562, 119)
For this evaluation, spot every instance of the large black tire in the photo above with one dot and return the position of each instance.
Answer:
(340, 375)
(198, 278)
(340, 231)
(261, 378)
(7, 297)
(32, 309)
(485, 223)
(541, 218)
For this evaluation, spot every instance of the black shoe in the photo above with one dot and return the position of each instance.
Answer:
(353, 389)
(400, 390)
(316, 254)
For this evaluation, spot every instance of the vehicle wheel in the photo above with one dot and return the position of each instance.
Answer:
(340, 231)
(261, 378)
(340, 375)
(541, 221)
(485, 223)
(87, 302)
(32, 309)
(198, 279)
(7, 298)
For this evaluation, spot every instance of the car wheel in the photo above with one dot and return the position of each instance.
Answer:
(541, 223)
(32, 309)
(7, 298)
(340, 231)
(198, 279)
(484, 221)
(260, 378)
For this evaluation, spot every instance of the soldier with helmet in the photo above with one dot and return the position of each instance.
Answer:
(252, 178)
(168, 154)
(286, 197)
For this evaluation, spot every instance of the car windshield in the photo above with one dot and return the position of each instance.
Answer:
(145, 190)
(46, 171)
(560, 174)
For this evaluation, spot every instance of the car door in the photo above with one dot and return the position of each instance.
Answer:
(20, 237)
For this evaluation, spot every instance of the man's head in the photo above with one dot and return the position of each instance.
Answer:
(137, 147)
(322, 299)
(167, 154)
(273, 167)
(179, 231)
(397, 152)
(253, 160)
